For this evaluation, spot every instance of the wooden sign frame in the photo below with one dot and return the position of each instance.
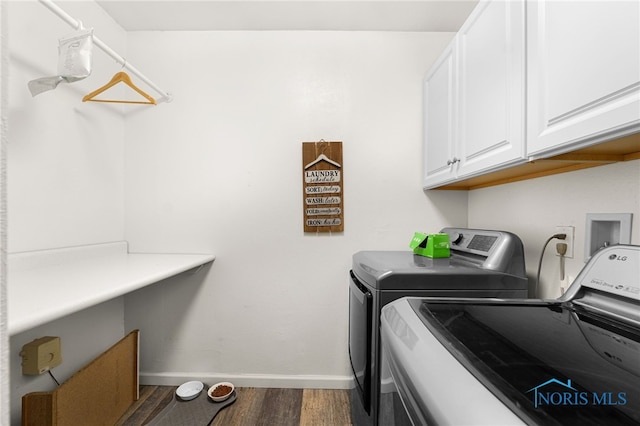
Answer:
(322, 187)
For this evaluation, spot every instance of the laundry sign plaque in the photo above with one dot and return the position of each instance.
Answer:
(322, 179)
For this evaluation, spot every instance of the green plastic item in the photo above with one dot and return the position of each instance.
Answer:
(431, 245)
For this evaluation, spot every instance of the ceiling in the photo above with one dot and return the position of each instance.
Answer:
(267, 15)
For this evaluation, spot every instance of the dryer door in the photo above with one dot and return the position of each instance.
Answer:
(360, 337)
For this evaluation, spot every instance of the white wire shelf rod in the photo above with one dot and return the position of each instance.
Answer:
(76, 24)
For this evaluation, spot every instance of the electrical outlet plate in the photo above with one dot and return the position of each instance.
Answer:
(570, 231)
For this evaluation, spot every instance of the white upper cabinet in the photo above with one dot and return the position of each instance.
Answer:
(491, 69)
(438, 119)
(583, 73)
(475, 96)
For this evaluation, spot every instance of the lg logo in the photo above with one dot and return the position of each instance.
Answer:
(616, 257)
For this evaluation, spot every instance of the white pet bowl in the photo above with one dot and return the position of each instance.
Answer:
(189, 390)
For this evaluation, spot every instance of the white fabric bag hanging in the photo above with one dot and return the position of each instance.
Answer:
(74, 62)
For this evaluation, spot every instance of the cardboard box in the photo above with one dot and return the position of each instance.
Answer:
(97, 395)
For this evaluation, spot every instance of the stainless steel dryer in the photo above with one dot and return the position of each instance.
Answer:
(483, 263)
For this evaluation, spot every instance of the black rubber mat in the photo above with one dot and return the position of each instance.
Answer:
(198, 411)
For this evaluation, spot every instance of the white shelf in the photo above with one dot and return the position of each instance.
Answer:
(50, 284)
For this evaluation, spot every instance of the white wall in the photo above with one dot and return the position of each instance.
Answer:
(65, 167)
(4, 338)
(219, 170)
(65, 157)
(532, 209)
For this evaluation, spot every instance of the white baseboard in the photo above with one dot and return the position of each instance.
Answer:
(250, 380)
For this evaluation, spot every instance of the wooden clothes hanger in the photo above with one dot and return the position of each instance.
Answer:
(117, 78)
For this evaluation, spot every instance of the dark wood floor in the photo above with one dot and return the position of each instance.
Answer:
(256, 406)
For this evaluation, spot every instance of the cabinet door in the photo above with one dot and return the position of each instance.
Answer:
(491, 59)
(584, 73)
(438, 116)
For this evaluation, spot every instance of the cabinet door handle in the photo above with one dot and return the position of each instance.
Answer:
(454, 161)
